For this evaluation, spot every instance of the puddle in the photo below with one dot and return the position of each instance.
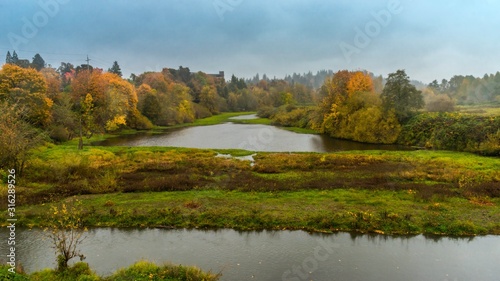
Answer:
(241, 158)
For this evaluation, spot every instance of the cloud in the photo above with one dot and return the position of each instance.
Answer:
(275, 37)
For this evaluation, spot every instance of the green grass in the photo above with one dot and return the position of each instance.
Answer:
(140, 271)
(267, 121)
(487, 110)
(369, 191)
(300, 130)
(395, 192)
(382, 211)
(218, 119)
(256, 121)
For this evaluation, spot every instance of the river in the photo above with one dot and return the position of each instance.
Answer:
(279, 255)
(243, 136)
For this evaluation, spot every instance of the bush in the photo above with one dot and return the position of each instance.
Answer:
(138, 121)
(453, 131)
(289, 116)
(200, 111)
(266, 112)
(60, 134)
(144, 270)
(5, 274)
(440, 103)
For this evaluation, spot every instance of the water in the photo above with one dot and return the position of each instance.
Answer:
(279, 255)
(243, 136)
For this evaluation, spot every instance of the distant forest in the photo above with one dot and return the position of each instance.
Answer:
(464, 89)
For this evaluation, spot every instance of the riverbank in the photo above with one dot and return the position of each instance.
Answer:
(402, 192)
(141, 270)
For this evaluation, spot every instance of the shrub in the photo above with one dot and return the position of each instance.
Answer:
(5, 274)
(144, 270)
(290, 116)
(440, 103)
(453, 131)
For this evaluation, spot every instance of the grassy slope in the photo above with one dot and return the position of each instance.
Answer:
(378, 191)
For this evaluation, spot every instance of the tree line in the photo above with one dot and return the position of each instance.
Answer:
(80, 101)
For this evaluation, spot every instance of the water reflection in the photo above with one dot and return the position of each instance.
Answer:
(243, 136)
(269, 255)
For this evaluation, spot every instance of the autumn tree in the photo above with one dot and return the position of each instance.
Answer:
(67, 72)
(183, 105)
(66, 231)
(86, 119)
(112, 99)
(27, 87)
(53, 80)
(359, 83)
(17, 136)
(352, 110)
(401, 96)
(208, 98)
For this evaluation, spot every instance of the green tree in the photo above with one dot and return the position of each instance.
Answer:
(151, 107)
(8, 58)
(184, 74)
(38, 63)
(65, 125)
(116, 69)
(399, 94)
(15, 58)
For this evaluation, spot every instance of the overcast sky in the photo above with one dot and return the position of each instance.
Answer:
(430, 39)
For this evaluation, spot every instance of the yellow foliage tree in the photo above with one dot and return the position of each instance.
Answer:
(350, 109)
(27, 88)
(66, 231)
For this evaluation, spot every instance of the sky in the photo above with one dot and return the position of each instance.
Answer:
(429, 39)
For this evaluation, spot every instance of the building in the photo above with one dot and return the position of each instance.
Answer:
(220, 75)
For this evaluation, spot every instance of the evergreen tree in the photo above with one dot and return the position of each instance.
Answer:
(115, 69)
(15, 58)
(8, 59)
(184, 74)
(38, 62)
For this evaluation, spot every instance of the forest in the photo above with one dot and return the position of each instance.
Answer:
(41, 103)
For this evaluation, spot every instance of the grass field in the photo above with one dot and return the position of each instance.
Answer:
(371, 191)
(487, 110)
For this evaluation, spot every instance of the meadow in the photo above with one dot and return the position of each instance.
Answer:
(402, 192)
